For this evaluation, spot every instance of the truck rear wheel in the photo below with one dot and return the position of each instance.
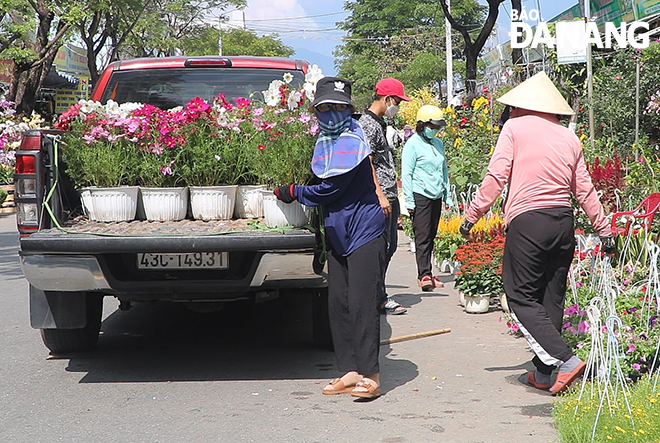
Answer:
(321, 321)
(61, 341)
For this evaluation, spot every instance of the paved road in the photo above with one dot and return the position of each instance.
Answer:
(250, 374)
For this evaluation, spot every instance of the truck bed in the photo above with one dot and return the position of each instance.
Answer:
(84, 236)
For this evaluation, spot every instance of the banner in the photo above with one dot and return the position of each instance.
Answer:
(65, 98)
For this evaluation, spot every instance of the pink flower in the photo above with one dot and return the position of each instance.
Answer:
(630, 349)
(242, 102)
(304, 118)
(636, 366)
(258, 112)
(583, 327)
(167, 170)
(198, 104)
(571, 310)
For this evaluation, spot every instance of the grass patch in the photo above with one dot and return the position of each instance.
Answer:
(614, 427)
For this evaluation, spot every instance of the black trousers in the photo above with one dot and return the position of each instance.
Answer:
(425, 226)
(354, 291)
(538, 252)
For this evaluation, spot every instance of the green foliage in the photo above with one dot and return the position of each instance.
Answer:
(399, 39)
(470, 138)
(3, 196)
(204, 41)
(100, 165)
(574, 417)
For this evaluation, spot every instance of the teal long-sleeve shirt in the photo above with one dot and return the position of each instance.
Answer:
(424, 170)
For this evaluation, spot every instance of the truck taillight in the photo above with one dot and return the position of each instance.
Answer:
(27, 214)
(25, 164)
(27, 193)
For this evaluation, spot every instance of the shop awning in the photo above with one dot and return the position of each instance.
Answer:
(60, 80)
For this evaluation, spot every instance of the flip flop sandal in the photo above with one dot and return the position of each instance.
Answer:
(337, 387)
(393, 308)
(565, 380)
(531, 380)
(371, 390)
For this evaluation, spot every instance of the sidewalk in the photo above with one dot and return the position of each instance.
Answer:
(468, 379)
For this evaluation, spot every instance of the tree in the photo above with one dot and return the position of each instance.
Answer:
(472, 49)
(235, 42)
(36, 31)
(400, 39)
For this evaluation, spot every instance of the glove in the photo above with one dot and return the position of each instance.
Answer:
(607, 245)
(285, 193)
(465, 228)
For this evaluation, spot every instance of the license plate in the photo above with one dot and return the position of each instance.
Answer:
(191, 260)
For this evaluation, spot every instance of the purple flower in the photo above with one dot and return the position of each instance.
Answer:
(571, 310)
(566, 325)
(636, 367)
(632, 309)
(583, 327)
(630, 349)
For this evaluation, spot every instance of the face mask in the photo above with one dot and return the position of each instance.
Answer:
(391, 111)
(334, 122)
(429, 132)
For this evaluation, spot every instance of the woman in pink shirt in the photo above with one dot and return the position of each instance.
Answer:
(543, 164)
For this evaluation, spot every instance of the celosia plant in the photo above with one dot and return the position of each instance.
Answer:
(481, 267)
(607, 178)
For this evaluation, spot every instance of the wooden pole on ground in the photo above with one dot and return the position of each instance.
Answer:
(414, 336)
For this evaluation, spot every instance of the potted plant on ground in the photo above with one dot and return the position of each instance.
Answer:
(480, 275)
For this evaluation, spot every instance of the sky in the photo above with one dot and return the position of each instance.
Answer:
(309, 26)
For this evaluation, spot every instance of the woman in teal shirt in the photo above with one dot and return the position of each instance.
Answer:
(425, 186)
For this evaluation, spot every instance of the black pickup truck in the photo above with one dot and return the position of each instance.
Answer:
(71, 270)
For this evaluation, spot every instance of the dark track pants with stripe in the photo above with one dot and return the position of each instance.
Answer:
(354, 291)
(537, 255)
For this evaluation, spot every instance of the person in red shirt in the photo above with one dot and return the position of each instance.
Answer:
(542, 162)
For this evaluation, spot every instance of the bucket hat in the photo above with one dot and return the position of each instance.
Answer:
(537, 93)
(332, 90)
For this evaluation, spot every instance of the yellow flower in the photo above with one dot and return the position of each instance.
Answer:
(620, 429)
(609, 437)
(481, 124)
(457, 143)
(492, 149)
(583, 136)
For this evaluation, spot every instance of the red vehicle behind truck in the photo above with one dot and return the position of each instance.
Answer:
(70, 271)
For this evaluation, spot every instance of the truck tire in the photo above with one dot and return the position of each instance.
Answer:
(320, 320)
(62, 341)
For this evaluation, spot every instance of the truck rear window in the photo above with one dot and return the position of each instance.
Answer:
(168, 88)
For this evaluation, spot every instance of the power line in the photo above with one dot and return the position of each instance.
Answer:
(295, 18)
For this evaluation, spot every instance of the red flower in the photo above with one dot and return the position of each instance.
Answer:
(261, 147)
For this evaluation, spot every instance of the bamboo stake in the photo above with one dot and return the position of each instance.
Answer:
(414, 336)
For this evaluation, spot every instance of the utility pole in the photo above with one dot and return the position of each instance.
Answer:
(450, 67)
(590, 80)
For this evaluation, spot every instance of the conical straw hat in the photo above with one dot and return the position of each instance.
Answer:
(537, 93)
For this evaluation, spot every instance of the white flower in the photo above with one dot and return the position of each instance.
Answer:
(88, 106)
(314, 74)
(293, 99)
(217, 157)
(288, 77)
(272, 97)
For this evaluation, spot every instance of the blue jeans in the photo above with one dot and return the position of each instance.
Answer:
(392, 236)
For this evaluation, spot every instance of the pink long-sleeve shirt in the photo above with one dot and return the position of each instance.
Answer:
(544, 165)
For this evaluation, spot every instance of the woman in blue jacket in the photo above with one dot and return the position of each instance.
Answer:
(355, 226)
(425, 186)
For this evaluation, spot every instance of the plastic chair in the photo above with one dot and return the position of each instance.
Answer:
(649, 206)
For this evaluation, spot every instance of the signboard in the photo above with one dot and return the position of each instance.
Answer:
(571, 42)
(65, 98)
(615, 11)
(72, 60)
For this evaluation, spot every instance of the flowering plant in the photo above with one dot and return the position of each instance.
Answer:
(449, 239)
(481, 267)
(244, 142)
(470, 138)
(11, 131)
